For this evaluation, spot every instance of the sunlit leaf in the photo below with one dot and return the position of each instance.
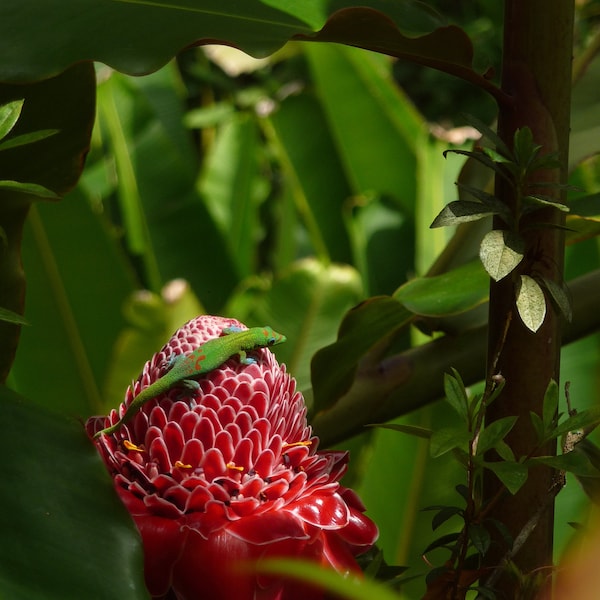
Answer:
(531, 302)
(9, 115)
(500, 252)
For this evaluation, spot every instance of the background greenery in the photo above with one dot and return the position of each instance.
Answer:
(282, 191)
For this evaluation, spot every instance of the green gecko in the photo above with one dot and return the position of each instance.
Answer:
(207, 357)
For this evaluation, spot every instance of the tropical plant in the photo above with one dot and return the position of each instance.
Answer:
(299, 191)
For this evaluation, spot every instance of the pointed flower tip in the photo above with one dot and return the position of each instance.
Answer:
(230, 471)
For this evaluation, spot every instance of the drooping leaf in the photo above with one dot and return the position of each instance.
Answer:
(500, 252)
(531, 302)
(560, 296)
(368, 324)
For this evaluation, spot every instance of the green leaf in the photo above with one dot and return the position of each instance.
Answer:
(500, 252)
(531, 302)
(494, 433)
(445, 513)
(560, 296)
(334, 366)
(523, 147)
(442, 541)
(451, 293)
(488, 133)
(10, 316)
(307, 303)
(65, 533)
(415, 430)
(512, 474)
(456, 395)
(448, 438)
(461, 211)
(33, 189)
(27, 138)
(9, 115)
(533, 202)
(350, 588)
(550, 407)
(480, 537)
(504, 451)
(538, 426)
(582, 420)
(573, 462)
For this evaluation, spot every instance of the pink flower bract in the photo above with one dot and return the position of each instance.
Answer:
(230, 474)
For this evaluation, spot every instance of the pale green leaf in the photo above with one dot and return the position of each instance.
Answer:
(9, 115)
(500, 252)
(531, 302)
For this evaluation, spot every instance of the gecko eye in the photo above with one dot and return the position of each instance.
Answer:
(270, 341)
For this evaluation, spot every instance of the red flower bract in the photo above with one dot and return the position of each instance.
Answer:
(227, 475)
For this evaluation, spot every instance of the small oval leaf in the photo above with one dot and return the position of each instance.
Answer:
(531, 303)
(500, 252)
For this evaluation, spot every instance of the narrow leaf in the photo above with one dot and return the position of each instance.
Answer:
(421, 432)
(461, 211)
(9, 115)
(456, 395)
(443, 515)
(500, 252)
(582, 420)
(574, 462)
(33, 189)
(560, 297)
(531, 302)
(27, 138)
(488, 133)
(12, 317)
(550, 407)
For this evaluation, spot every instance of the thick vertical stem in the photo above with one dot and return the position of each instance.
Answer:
(537, 75)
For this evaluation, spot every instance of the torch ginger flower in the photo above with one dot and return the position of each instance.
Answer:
(230, 474)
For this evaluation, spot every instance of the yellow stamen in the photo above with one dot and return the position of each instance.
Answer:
(131, 446)
(293, 444)
(181, 465)
(234, 467)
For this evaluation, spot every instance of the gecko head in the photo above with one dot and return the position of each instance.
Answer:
(273, 338)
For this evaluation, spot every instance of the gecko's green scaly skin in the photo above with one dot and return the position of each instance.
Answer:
(207, 357)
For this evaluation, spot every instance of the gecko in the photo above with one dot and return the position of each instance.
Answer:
(208, 356)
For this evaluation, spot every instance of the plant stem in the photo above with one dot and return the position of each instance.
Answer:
(537, 74)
